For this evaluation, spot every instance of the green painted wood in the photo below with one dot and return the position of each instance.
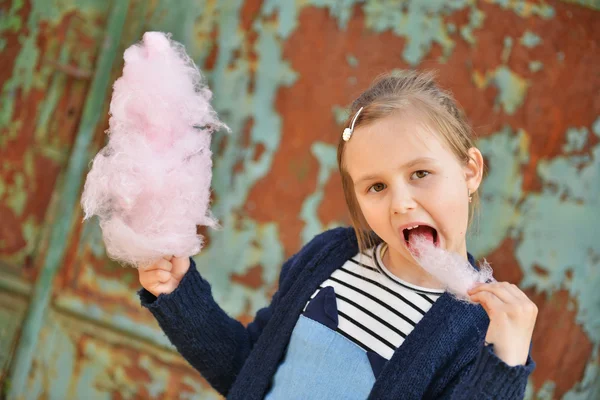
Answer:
(69, 196)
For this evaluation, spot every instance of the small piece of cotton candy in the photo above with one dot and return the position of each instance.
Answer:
(150, 185)
(450, 269)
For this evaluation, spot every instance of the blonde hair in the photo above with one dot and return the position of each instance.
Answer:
(396, 92)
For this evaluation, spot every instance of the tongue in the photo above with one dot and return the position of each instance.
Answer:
(424, 231)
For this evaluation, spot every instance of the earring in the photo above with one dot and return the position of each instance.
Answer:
(470, 197)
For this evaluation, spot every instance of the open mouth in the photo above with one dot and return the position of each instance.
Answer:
(426, 231)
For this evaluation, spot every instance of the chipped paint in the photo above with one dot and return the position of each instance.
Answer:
(12, 309)
(573, 188)
(25, 76)
(595, 4)
(422, 24)
(508, 43)
(512, 88)
(97, 342)
(16, 194)
(287, 13)
(247, 242)
(572, 260)
(34, 318)
(576, 139)
(535, 66)
(530, 39)
(28, 172)
(525, 8)
(340, 114)
(10, 21)
(352, 60)
(588, 388)
(476, 19)
(501, 190)
(81, 360)
(327, 156)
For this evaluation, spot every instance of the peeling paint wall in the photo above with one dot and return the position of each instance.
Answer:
(282, 73)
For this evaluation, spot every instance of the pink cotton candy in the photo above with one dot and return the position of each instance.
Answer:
(450, 269)
(150, 185)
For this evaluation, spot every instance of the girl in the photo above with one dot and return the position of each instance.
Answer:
(355, 316)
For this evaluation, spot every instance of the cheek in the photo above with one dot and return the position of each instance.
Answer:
(365, 208)
(371, 212)
(452, 212)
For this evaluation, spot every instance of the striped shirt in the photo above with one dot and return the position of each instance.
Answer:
(376, 309)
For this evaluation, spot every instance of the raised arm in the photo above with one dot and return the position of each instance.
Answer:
(209, 339)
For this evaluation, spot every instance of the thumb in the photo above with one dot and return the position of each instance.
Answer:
(180, 267)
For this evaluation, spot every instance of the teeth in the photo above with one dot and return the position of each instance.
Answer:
(416, 226)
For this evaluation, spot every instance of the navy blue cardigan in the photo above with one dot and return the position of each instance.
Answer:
(444, 357)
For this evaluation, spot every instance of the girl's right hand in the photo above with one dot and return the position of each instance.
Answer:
(164, 276)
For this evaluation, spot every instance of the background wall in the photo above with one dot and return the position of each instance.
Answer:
(282, 72)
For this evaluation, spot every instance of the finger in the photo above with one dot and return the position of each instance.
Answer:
(524, 302)
(518, 292)
(509, 291)
(484, 286)
(502, 290)
(154, 277)
(488, 301)
(168, 258)
(160, 264)
(158, 275)
(180, 267)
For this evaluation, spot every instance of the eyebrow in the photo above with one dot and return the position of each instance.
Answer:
(409, 164)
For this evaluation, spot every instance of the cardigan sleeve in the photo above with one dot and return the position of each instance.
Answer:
(210, 340)
(488, 377)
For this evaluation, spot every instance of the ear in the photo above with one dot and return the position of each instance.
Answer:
(474, 169)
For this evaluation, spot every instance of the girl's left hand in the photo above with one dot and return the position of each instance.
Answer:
(512, 317)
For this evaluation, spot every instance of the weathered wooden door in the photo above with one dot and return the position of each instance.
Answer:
(70, 323)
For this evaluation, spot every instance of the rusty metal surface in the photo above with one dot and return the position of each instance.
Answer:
(526, 72)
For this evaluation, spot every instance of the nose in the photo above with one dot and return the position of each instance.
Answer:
(403, 201)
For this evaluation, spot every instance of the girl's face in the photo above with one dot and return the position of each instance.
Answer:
(404, 175)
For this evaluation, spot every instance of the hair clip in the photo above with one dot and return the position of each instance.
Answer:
(348, 131)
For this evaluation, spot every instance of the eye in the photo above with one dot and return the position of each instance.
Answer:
(378, 187)
(419, 174)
